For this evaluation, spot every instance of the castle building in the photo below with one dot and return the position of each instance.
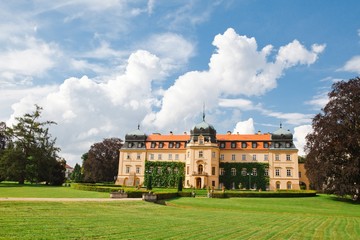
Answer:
(247, 161)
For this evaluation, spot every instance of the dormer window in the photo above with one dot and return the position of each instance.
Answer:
(244, 145)
(254, 145)
(266, 145)
(161, 145)
(171, 144)
(288, 145)
(277, 145)
(130, 145)
(233, 145)
(222, 145)
(177, 145)
(153, 144)
(140, 145)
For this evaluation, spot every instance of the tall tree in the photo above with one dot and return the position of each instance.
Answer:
(31, 154)
(76, 175)
(102, 161)
(333, 160)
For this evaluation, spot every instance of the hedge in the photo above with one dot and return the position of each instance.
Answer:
(277, 194)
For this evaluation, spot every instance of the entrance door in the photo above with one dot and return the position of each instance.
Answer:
(198, 182)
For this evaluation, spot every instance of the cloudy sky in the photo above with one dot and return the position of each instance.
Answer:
(100, 68)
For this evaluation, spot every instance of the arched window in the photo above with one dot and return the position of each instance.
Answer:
(277, 185)
(200, 169)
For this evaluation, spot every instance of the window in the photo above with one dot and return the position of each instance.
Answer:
(188, 154)
(169, 170)
(254, 157)
(266, 145)
(222, 145)
(200, 169)
(288, 185)
(277, 172)
(243, 172)
(176, 156)
(137, 169)
(266, 173)
(233, 145)
(159, 157)
(127, 170)
(187, 170)
(170, 156)
(222, 171)
(153, 144)
(128, 156)
(130, 145)
(177, 145)
(277, 157)
(277, 185)
(266, 157)
(138, 156)
(288, 157)
(213, 154)
(140, 145)
(277, 145)
(201, 154)
(243, 144)
(233, 171)
(201, 141)
(222, 157)
(213, 183)
(254, 145)
(233, 157)
(151, 156)
(254, 172)
(171, 144)
(212, 170)
(299, 174)
(288, 173)
(243, 157)
(159, 170)
(288, 145)
(161, 145)
(176, 170)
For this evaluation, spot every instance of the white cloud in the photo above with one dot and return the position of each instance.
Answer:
(236, 68)
(300, 133)
(319, 101)
(242, 104)
(173, 49)
(245, 127)
(352, 65)
(30, 57)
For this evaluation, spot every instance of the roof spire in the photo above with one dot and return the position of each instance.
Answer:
(138, 126)
(280, 124)
(204, 112)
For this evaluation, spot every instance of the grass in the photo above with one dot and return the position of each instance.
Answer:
(9, 189)
(320, 217)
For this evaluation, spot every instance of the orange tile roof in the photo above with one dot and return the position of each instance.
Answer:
(169, 138)
(243, 137)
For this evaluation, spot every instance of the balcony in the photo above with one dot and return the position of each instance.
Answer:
(199, 174)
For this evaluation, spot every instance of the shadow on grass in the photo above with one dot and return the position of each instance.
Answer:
(16, 184)
(347, 199)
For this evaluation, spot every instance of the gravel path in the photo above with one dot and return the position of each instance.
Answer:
(69, 199)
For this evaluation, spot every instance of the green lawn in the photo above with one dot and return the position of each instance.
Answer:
(183, 218)
(43, 191)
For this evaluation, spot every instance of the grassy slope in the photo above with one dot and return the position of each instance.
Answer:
(184, 218)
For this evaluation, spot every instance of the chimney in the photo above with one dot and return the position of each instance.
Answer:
(171, 133)
(185, 133)
(228, 132)
(259, 132)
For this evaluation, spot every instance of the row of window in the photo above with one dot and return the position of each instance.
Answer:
(160, 156)
(244, 172)
(139, 144)
(170, 145)
(244, 144)
(159, 170)
(255, 157)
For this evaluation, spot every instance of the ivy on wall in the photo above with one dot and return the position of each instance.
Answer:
(164, 174)
(239, 180)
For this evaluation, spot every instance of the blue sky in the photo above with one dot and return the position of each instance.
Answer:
(98, 68)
